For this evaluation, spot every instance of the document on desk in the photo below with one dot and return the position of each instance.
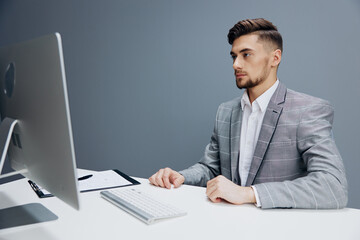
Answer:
(94, 181)
(104, 180)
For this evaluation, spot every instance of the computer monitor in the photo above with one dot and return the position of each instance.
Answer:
(34, 110)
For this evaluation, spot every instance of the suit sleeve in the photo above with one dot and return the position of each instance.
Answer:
(209, 165)
(325, 185)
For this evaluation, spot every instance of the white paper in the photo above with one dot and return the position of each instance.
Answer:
(104, 179)
(98, 180)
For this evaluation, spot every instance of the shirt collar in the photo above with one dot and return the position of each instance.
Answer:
(245, 100)
(262, 101)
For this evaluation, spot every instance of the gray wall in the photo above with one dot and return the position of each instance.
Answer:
(145, 77)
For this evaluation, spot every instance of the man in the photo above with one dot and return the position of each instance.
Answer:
(272, 146)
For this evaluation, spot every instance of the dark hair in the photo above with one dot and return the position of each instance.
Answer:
(263, 28)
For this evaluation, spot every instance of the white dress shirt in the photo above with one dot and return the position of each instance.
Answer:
(252, 118)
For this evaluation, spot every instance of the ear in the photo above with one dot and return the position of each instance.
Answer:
(276, 58)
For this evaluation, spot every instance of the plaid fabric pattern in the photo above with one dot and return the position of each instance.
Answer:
(296, 163)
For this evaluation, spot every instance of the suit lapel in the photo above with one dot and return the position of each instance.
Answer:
(268, 127)
(235, 129)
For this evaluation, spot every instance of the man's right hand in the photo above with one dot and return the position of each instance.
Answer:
(165, 177)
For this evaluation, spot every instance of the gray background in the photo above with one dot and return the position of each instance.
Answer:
(145, 78)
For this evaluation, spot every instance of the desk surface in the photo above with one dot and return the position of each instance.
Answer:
(99, 219)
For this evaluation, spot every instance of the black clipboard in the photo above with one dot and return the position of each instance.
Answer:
(42, 194)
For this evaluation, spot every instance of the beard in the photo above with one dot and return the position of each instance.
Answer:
(250, 83)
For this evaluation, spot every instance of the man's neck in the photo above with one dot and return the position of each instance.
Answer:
(258, 90)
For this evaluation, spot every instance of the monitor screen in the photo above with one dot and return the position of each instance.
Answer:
(33, 92)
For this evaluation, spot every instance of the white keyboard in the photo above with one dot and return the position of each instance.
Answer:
(141, 205)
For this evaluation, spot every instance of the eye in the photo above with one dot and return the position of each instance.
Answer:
(233, 57)
(247, 55)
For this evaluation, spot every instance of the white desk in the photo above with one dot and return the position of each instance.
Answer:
(99, 219)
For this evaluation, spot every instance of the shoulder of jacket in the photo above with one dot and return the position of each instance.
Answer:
(298, 99)
(232, 104)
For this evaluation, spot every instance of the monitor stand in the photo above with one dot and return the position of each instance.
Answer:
(6, 130)
(22, 214)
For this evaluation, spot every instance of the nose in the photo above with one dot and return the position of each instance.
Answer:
(237, 65)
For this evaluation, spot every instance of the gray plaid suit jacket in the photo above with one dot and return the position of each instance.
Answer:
(296, 163)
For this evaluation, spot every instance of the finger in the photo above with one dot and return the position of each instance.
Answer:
(211, 185)
(178, 180)
(158, 178)
(213, 191)
(214, 197)
(152, 180)
(210, 189)
(165, 178)
(217, 200)
(212, 182)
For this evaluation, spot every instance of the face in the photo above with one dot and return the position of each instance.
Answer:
(251, 61)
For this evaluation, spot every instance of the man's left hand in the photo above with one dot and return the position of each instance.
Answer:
(222, 188)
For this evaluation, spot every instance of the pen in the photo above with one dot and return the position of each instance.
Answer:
(85, 177)
(34, 186)
(38, 191)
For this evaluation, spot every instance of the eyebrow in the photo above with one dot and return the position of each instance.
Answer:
(242, 50)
